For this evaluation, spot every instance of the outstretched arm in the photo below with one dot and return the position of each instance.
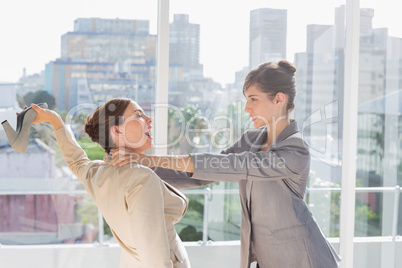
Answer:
(289, 159)
(176, 175)
(182, 163)
(178, 179)
(175, 162)
(74, 155)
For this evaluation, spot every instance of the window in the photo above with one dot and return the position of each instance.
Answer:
(78, 56)
(74, 59)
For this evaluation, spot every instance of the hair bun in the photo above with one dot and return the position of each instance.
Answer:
(289, 67)
(89, 129)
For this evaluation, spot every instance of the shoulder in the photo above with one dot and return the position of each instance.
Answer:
(139, 183)
(294, 151)
(91, 169)
(131, 173)
(138, 175)
(295, 140)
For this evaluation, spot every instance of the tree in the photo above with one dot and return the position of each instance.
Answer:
(28, 98)
(39, 97)
(92, 149)
(189, 117)
(190, 233)
(43, 96)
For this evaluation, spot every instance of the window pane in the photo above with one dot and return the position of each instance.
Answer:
(48, 219)
(379, 143)
(210, 56)
(74, 56)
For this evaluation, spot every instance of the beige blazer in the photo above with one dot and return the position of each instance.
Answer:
(139, 207)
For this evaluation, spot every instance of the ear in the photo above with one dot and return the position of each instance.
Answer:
(280, 97)
(114, 130)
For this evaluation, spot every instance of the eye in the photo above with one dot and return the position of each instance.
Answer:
(253, 99)
(139, 114)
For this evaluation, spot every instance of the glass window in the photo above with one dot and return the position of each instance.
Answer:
(210, 56)
(76, 56)
(73, 56)
(378, 213)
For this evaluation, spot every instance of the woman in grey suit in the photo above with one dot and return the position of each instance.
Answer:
(271, 163)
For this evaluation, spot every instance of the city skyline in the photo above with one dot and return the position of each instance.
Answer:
(216, 53)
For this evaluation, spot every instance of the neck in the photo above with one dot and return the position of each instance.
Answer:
(129, 149)
(275, 129)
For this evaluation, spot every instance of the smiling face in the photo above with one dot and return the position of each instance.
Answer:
(135, 130)
(262, 109)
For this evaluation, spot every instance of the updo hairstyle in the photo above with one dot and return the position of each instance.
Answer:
(105, 116)
(272, 78)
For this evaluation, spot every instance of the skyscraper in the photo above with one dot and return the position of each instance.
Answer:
(184, 46)
(268, 30)
(187, 84)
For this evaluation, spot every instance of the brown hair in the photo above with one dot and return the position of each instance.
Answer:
(272, 78)
(105, 116)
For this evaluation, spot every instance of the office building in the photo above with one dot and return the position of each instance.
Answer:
(184, 46)
(103, 59)
(268, 31)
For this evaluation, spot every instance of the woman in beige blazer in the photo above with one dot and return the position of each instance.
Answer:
(271, 163)
(139, 207)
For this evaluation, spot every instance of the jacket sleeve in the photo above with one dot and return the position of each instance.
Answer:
(74, 155)
(287, 160)
(185, 180)
(145, 207)
(178, 179)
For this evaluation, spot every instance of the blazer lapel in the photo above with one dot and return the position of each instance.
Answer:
(254, 147)
(259, 140)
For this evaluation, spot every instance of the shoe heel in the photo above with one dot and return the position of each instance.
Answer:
(19, 138)
(10, 132)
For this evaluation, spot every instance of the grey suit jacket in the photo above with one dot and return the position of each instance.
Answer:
(277, 228)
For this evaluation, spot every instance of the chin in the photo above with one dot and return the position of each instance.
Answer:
(258, 125)
(146, 147)
(141, 147)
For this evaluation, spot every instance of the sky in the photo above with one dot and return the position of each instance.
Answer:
(31, 30)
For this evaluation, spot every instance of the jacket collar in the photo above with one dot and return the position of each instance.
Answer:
(262, 135)
(288, 131)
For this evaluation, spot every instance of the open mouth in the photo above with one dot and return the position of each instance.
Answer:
(148, 133)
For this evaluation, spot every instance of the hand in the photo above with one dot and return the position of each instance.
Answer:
(124, 156)
(45, 115)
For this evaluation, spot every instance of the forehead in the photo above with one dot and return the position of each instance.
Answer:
(132, 108)
(135, 106)
(253, 90)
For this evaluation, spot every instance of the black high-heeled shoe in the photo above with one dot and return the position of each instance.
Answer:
(19, 138)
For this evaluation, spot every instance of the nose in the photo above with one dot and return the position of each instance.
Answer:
(150, 120)
(247, 108)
